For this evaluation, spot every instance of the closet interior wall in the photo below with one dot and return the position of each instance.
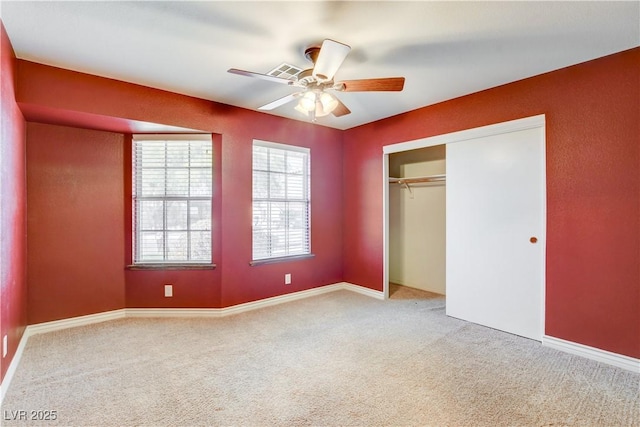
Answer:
(417, 232)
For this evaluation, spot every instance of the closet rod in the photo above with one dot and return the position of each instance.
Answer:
(416, 179)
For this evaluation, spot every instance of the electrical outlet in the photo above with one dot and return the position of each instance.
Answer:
(4, 346)
(168, 290)
(287, 279)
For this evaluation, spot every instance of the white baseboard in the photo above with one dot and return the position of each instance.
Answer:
(362, 290)
(57, 325)
(614, 359)
(72, 322)
(268, 302)
(4, 386)
(172, 312)
(249, 306)
(242, 308)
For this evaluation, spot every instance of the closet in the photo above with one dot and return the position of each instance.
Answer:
(465, 216)
(417, 233)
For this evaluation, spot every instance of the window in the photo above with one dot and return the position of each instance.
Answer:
(172, 181)
(281, 201)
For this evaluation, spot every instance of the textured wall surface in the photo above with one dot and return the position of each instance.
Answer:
(13, 239)
(75, 224)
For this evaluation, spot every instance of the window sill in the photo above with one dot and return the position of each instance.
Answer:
(171, 267)
(257, 262)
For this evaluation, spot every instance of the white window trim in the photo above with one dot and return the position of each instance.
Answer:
(295, 148)
(166, 264)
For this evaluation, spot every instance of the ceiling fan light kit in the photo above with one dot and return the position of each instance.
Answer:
(313, 100)
(316, 103)
(308, 101)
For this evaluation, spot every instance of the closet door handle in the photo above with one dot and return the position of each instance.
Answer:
(534, 239)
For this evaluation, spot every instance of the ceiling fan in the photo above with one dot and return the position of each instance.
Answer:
(314, 100)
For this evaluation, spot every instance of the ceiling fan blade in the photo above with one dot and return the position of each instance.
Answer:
(331, 56)
(394, 84)
(260, 76)
(278, 102)
(340, 110)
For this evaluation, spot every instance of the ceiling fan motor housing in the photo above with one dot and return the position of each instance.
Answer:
(306, 77)
(312, 52)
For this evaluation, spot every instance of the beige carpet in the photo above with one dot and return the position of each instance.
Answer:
(339, 359)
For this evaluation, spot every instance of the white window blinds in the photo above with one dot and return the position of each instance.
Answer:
(172, 187)
(281, 200)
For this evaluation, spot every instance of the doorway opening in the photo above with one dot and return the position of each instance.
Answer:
(417, 223)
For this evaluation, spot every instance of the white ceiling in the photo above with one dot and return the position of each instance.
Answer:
(444, 49)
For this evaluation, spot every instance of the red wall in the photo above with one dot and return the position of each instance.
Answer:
(75, 222)
(13, 284)
(53, 95)
(593, 191)
(242, 283)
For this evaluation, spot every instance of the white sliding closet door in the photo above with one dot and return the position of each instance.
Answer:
(495, 208)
